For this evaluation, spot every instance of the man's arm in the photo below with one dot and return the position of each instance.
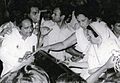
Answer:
(71, 40)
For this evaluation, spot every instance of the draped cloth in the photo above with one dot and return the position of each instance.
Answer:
(98, 55)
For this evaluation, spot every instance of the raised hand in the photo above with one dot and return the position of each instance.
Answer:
(6, 28)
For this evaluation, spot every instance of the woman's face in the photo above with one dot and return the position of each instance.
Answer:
(83, 20)
(92, 38)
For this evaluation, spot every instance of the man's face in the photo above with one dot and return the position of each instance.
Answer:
(82, 20)
(34, 14)
(56, 15)
(26, 28)
(117, 28)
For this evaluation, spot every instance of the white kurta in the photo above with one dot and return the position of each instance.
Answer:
(56, 35)
(14, 47)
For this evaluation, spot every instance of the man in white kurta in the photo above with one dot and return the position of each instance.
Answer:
(59, 32)
(14, 47)
(56, 35)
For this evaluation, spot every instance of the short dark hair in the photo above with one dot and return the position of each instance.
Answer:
(19, 23)
(82, 10)
(28, 74)
(69, 78)
(116, 19)
(66, 9)
(28, 8)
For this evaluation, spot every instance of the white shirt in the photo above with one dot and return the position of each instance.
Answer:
(14, 47)
(119, 38)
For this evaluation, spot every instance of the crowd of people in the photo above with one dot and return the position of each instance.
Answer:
(83, 42)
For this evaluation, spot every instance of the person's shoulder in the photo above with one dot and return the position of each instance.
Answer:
(15, 29)
(98, 23)
(49, 23)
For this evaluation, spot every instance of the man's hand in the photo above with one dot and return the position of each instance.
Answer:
(45, 30)
(25, 57)
(77, 58)
(39, 14)
(6, 29)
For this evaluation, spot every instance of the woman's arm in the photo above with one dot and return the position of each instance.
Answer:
(94, 77)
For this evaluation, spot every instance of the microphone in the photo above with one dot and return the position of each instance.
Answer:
(33, 49)
(90, 28)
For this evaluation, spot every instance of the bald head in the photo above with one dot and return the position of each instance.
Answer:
(26, 28)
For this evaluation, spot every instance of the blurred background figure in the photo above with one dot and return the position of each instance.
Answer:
(27, 74)
(69, 78)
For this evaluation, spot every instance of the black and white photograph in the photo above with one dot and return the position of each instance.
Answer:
(59, 41)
